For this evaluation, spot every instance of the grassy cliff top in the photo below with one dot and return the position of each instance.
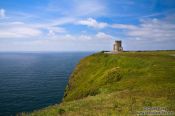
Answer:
(115, 84)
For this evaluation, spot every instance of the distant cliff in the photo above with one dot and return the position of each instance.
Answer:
(118, 84)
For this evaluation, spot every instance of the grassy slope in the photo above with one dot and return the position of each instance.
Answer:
(118, 84)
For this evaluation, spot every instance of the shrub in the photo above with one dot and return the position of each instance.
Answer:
(61, 111)
(112, 75)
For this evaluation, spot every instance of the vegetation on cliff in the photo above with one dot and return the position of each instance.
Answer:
(115, 84)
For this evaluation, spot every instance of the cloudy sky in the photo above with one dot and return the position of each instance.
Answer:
(86, 25)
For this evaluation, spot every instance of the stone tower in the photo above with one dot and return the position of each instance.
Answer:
(118, 46)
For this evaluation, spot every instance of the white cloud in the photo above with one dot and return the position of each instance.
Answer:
(104, 36)
(2, 13)
(17, 30)
(154, 30)
(149, 30)
(56, 22)
(93, 23)
(123, 26)
(100, 36)
(89, 8)
(78, 8)
(55, 30)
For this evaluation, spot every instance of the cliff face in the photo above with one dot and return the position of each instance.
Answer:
(118, 84)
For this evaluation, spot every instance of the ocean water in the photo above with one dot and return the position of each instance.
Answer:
(30, 81)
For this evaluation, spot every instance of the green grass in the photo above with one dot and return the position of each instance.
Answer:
(115, 84)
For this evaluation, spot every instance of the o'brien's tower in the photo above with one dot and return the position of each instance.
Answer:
(117, 46)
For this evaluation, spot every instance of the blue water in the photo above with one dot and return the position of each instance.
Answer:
(30, 81)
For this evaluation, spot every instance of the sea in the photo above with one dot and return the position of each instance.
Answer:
(34, 80)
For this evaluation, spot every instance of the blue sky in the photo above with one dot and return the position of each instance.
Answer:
(86, 25)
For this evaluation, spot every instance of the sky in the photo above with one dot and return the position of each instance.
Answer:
(86, 25)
